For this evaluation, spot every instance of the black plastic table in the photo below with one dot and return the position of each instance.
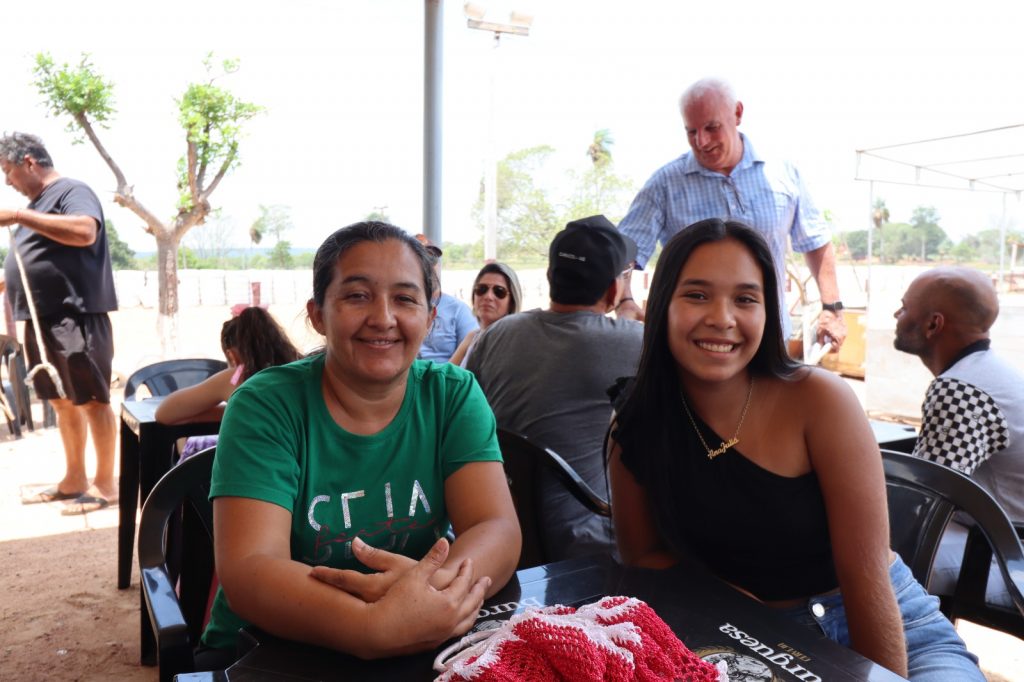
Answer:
(146, 455)
(711, 618)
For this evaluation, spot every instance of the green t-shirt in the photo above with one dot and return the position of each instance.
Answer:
(279, 444)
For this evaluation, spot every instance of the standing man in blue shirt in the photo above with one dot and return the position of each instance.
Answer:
(723, 177)
(453, 321)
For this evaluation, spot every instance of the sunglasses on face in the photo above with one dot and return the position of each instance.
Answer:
(500, 292)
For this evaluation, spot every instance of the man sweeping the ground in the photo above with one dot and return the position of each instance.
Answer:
(62, 244)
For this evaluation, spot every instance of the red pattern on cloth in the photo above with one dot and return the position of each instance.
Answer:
(612, 640)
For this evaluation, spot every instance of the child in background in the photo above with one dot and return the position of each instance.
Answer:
(251, 341)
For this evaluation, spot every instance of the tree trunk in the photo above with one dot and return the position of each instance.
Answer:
(167, 278)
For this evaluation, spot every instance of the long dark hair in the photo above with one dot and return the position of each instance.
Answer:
(258, 341)
(368, 231)
(642, 429)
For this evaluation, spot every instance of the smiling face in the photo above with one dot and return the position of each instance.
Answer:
(711, 129)
(717, 315)
(488, 307)
(375, 313)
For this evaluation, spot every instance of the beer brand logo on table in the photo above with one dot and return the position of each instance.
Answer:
(746, 668)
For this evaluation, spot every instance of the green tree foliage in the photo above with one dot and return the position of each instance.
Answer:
(901, 242)
(931, 239)
(211, 118)
(857, 244)
(470, 255)
(599, 189)
(966, 250)
(75, 90)
(526, 217)
(275, 220)
(922, 239)
(600, 151)
(280, 256)
(879, 216)
(529, 217)
(988, 244)
(879, 213)
(121, 256)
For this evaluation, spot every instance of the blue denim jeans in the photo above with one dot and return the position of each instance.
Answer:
(935, 652)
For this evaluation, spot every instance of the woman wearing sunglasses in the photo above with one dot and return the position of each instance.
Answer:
(496, 293)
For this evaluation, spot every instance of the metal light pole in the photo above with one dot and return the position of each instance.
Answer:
(515, 24)
(433, 68)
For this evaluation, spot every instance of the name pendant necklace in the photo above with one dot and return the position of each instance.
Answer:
(726, 444)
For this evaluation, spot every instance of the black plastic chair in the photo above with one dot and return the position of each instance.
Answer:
(523, 462)
(968, 600)
(171, 620)
(923, 496)
(15, 390)
(161, 379)
(166, 377)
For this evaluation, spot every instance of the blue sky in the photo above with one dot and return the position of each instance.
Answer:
(342, 83)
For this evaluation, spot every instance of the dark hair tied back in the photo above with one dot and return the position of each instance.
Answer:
(258, 340)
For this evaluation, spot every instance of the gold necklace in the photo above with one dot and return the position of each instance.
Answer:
(725, 445)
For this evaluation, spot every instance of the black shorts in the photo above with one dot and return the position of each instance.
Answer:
(81, 348)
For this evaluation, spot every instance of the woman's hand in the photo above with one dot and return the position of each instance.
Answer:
(389, 568)
(369, 587)
(421, 616)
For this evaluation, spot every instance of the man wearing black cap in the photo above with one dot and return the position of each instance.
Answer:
(546, 372)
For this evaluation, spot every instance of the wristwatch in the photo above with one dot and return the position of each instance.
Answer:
(832, 307)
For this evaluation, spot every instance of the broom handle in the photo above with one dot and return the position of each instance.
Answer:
(50, 369)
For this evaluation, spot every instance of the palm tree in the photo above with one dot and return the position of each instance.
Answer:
(880, 216)
(599, 150)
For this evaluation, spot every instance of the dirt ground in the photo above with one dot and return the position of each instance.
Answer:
(61, 614)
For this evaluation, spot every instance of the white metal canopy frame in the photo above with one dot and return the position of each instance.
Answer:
(990, 160)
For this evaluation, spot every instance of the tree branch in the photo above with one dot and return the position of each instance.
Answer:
(124, 195)
(224, 167)
(201, 175)
(86, 125)
(190, 173)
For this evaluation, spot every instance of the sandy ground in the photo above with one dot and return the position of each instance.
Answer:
(61, 614)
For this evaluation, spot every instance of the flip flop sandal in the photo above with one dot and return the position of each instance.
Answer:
(51, 494)
(84, 504)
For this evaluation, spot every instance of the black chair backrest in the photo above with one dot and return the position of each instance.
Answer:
(15, 389)
(167, 376)
(923, 496)
(177, 621)
(523, 462)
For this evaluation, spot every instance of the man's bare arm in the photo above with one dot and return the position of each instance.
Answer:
(628, 308)
(822, 264)
(70, 230)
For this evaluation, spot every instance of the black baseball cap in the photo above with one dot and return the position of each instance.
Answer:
(585, 258)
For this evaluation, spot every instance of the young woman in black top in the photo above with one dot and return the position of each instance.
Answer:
(728, 452)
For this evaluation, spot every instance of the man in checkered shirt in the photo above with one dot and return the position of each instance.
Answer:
(973, 414)
(722, 176)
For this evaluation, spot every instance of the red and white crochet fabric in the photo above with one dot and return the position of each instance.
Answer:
(612, 640)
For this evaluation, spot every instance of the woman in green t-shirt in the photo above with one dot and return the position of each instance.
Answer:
(356, 461)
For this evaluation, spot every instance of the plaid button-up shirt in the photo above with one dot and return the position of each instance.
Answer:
(768, 196)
